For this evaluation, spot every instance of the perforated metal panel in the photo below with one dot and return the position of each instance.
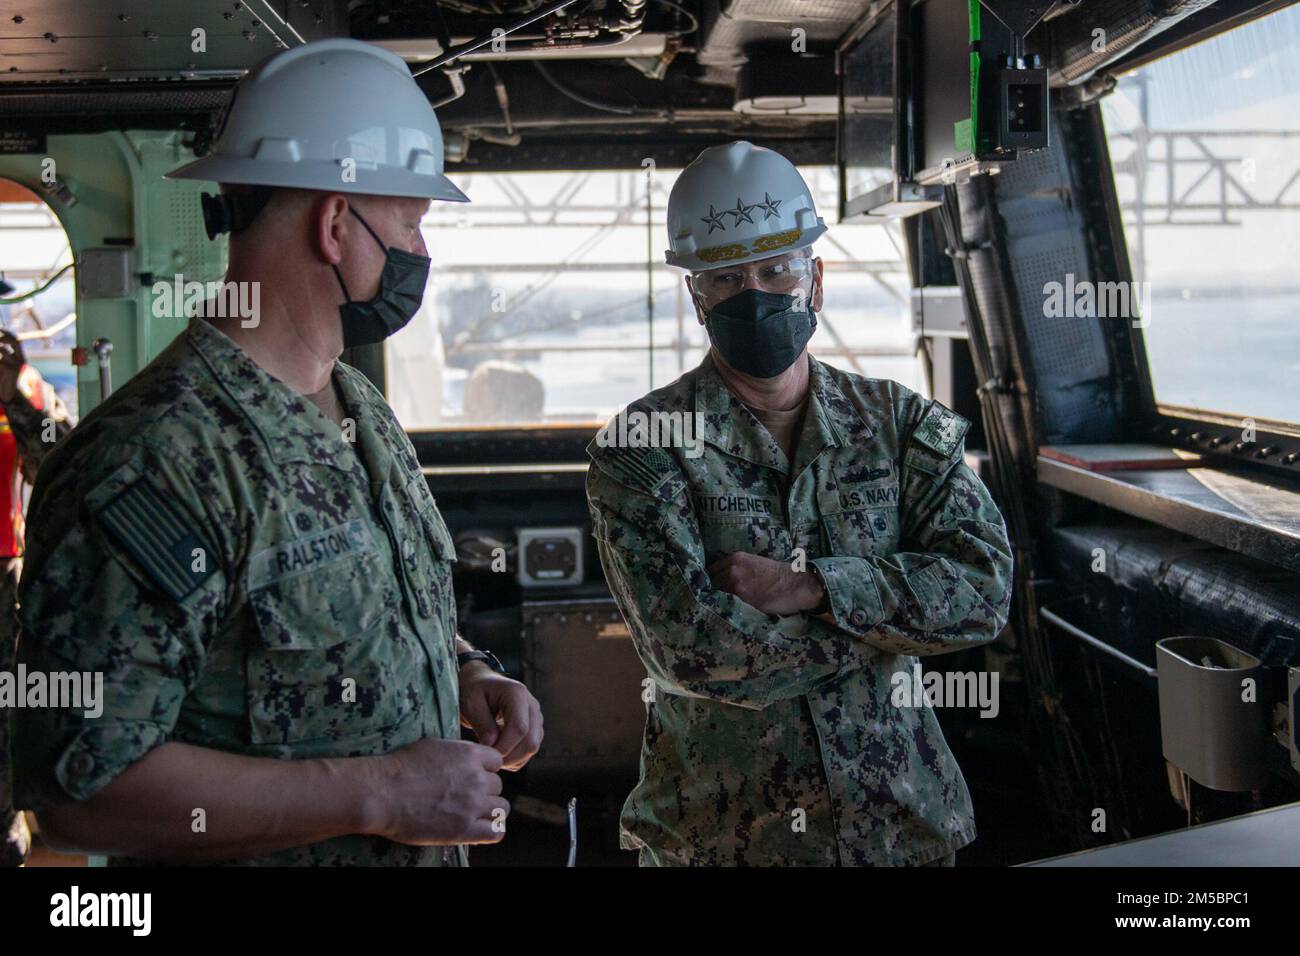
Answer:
(65, 40)
(1126, 25)
(1044, 237)
(1066, 348)
(20, 101)
(190, 250)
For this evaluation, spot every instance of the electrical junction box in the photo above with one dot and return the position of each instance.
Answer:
(579, 660)
(549, 557)
(107, 273)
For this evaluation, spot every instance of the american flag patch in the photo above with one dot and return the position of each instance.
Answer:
(643, 469)
(158, 535)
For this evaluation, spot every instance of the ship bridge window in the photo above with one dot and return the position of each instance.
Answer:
(549, 303)
(1205, 145)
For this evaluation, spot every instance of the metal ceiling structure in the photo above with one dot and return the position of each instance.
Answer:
(131, 40)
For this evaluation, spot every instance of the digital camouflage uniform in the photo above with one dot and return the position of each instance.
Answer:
(209, 540)
(756, 717)
(35, 431)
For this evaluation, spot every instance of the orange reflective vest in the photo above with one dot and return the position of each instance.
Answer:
(11, 475)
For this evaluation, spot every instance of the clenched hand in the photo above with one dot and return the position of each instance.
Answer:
(774, 587)
(501, 712)
(438, 792)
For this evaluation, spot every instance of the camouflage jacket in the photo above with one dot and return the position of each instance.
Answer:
(773, 740)
(245, 577)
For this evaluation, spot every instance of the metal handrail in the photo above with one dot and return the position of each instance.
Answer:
(1077, 632)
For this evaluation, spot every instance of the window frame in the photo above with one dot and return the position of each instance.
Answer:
(1216, 435)
(456, 455)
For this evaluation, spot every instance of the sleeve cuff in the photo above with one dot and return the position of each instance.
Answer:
(98, 754)
(854, 598)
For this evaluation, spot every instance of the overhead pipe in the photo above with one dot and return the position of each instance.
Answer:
(457, 52)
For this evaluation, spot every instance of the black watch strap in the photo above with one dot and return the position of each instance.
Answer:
(486, 657)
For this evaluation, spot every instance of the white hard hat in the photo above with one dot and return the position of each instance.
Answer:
(737, 203)
(338, 115)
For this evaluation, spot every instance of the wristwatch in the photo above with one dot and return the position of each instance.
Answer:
(486, 657)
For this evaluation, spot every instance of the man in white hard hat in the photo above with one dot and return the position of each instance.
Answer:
(256, 566)
(779, 584)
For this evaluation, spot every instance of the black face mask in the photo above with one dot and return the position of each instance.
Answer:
(760, 333)
(401, 287)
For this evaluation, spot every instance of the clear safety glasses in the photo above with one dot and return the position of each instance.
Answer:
(780, 275)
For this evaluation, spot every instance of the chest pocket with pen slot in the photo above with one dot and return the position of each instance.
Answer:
(859, 521)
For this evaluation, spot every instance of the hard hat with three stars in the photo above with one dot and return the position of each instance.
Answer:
(738, 203)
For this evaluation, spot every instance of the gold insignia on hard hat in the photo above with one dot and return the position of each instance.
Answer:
(778, 240)
(737, 250)
(723, 253)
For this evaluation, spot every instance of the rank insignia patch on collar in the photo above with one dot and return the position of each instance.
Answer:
(158, 535)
